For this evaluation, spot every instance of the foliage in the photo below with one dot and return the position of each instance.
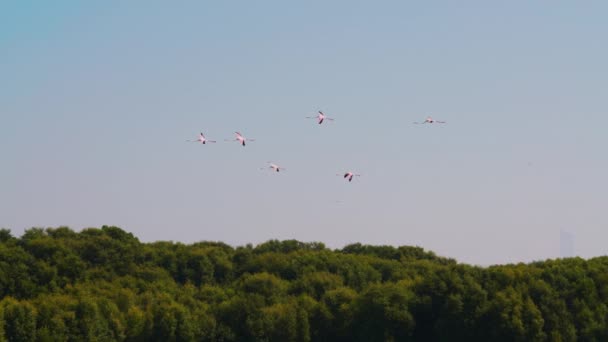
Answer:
(105, 285)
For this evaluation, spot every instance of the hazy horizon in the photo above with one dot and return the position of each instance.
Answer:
(98, 100)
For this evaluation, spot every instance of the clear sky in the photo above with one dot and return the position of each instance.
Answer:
(98, 98)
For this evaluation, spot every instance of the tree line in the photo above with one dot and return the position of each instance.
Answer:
(105, 285)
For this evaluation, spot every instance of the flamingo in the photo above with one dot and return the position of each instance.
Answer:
(429, 120)
(320, 117)
(274, 167)
(201, 138)
(240, 138)
(348, 175)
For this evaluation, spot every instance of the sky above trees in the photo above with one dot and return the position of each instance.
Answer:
(98, 100)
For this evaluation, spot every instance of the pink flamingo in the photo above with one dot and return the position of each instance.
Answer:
(320, 117)
(348, 175)
(429, 120)
(274, 167)
(240, 138)
(201, 138)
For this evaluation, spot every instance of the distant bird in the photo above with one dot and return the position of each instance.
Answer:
(201, 138)
(240, 138)
(429, 120)
(320, 117)
(274, 167)
(348, 175)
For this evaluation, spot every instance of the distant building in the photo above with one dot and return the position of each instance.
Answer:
(566, 244)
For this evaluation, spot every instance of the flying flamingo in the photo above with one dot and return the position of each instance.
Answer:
(429, 120)
(320, 117)
(240, 138)
(348, 175)
(274, 167)
(201, 138)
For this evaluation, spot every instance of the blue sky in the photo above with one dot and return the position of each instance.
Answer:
(98, 98)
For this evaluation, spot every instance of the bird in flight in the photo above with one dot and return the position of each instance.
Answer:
(240, 138)
(274, 167)
(320, 117)
(348, 175)
(201, 138)
(429, 120)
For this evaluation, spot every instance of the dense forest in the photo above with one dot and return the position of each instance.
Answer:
(105, 285)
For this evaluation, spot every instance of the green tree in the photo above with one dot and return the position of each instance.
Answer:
(382, 314)
(20, 320)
